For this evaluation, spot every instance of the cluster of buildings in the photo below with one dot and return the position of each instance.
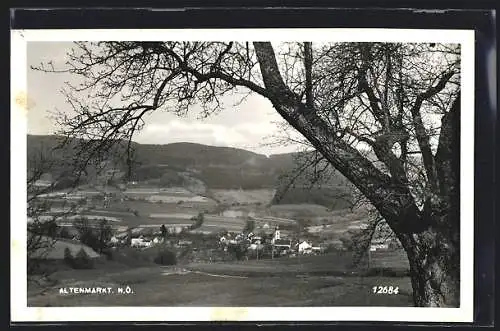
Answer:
(263, 244)
(274, 243)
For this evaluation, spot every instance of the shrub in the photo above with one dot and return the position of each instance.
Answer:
(108, 253)
(249, 226)
(95, 238)
(198, 221)
(82, 260)
(68, 257)
(239, 251)
(165, 257)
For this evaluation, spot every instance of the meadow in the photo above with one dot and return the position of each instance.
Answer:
(307, 281)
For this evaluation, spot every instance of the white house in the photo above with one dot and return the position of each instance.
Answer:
(139, 242)
(304, 247)
(256, 240)
(379, 244)
(157, 240)
(114, 240)
(255, 246)
(375, 247)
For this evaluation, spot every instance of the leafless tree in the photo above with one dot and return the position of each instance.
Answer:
(41, 233)
(43, 229)
(385, 115)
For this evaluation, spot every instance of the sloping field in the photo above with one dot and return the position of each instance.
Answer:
(228, 223)
(263, 196)
(274, 220)
(338, 224)
(222, 219)
(174, 191)
(58, 248)
(177, 199)
(145, 208)
(166, 195)
(186, 216)
(124, 218)
(299, 210)
(215, 228)
(113, 215)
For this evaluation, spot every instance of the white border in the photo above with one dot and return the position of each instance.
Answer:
(21, 313)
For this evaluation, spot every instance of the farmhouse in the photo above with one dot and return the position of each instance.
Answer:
(379, 244)
(140, 242)
(256, 240)
(255, 246)
(158, 240)
(304, 247)
(114, 241)
(176, 228)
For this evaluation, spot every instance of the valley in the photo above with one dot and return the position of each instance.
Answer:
(216, 211)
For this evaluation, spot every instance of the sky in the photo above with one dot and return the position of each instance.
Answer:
(250, 125)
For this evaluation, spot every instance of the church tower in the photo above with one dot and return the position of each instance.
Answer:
(277, 234)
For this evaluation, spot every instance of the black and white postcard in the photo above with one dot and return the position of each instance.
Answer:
(242, 174)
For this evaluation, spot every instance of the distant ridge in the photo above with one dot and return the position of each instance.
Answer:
(216, 167)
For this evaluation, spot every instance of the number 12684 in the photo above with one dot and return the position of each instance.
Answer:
(385, 289)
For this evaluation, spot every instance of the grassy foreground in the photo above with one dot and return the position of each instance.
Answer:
(305, 281)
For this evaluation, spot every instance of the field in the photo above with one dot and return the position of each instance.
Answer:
(150, 206)
(389, 262)
(263, 196)
(310, 281)
(167, 195)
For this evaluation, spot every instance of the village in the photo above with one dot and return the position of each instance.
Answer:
(268, 244)
(185, 222)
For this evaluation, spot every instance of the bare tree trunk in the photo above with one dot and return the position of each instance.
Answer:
(434, 257)
(430, 236)
(434, 254)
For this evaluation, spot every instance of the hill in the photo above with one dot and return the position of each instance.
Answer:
(185, 164)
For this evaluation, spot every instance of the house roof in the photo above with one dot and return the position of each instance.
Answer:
(281, 242)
